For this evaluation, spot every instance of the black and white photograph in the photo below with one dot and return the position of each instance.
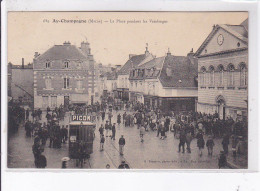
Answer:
(127, 90)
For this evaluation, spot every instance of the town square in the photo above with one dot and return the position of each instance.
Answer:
(126, 106)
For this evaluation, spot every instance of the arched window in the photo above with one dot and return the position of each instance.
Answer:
(243, 74)
(212, 75)
(203, 76)
(231, 70)
(221, 74)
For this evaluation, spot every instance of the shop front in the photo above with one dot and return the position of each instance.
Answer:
(177, 104)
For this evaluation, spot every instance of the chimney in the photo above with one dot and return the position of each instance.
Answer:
(23, 63)
(146, 50)
(169, 53)
(66, 43)
(85, 48)
(191, 53)
(36, 54)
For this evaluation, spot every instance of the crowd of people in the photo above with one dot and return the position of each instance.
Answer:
(185, 126)
(41, 132)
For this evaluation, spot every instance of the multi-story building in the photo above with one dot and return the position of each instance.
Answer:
(123, 74)
(222, 66)
(64, 75)
(168, 82)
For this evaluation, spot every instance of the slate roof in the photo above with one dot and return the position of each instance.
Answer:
(132, 62)
(62, 52)
(111, 75)
(154, 63)
(183, 72)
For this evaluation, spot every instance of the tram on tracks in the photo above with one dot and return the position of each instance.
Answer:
(81, 136)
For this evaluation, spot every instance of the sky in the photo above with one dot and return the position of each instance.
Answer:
(119, 34)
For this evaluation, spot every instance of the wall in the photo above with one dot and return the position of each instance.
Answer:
(234, 96)
(24, 79)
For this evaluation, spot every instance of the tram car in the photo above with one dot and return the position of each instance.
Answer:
(81, 136)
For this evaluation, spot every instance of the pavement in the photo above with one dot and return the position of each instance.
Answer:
(153, 153)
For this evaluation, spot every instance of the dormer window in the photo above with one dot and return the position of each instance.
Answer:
(66, 64)
(47, 65)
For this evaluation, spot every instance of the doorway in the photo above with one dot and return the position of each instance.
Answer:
(221, 107)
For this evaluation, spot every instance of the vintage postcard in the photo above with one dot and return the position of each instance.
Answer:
(127, 90)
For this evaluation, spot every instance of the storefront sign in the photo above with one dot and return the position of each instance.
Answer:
(81, 118)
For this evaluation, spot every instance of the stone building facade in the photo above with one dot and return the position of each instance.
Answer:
(123, 74)
(168, 83)
(222, 66)
(64, 75)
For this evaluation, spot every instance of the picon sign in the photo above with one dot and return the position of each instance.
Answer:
(81, 118)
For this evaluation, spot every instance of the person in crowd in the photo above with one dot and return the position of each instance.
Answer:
(142, 130)
(103, 115)
(200, 142)
(27, 114)
(123, 165)
(27, 128)
(102, 141)
(119, 119)
(121, 143)
(113, 132)
(42, 161)
(37, 150)
(101, 130)
(182, 140)
(222, 160)
(107, 128)
(210, 144)
(110, 115)
(124, 118)
(188, 141)
(159, 128)
(225, 143)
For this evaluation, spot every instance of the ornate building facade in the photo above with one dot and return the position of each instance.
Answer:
(222, 66)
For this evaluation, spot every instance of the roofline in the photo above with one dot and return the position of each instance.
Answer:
(211, 34)
(63, 45)
(168, 87)
(223, 52)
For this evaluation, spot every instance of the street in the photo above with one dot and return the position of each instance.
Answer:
(153, 153)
